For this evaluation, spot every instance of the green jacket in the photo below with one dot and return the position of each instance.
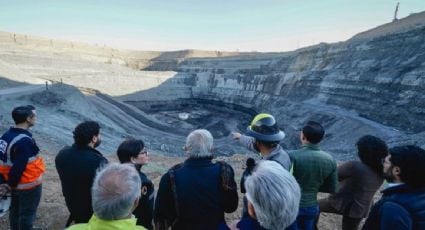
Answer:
(315, 171)
(97, 224)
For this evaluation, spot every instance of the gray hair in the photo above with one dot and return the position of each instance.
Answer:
(274, 194)
(115, 189)
(199, 143)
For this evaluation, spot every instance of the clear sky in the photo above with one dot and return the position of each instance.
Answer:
(227, 25)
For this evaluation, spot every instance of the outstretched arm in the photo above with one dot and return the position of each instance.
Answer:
(245, 141)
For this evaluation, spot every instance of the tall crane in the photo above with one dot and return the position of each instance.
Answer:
(395, 12)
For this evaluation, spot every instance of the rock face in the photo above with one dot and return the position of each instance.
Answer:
(381, 79)
(375, 79)
(370, 84)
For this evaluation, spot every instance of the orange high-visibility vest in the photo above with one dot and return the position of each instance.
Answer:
(32, 175)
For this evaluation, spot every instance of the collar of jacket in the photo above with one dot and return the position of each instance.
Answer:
(96, 223)
(311, 146)
(198, 161)
(19, 130)
(400, 189)
(86, 148)
(274, 152)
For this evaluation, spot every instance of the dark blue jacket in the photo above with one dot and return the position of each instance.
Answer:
(248, 223)
(22, 151)
(401, 207)
(201, 199)
(77, 168)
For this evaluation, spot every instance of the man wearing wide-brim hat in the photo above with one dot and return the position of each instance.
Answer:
(263, 136)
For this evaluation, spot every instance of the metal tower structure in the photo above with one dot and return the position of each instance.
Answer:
(395, 12)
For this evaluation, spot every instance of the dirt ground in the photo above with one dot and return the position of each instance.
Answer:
(52, 212)
(37, 60)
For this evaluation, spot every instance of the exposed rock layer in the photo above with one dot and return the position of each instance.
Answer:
(370, 84)
(381, 78)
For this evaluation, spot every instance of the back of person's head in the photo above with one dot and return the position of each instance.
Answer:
(371, 151)
(313, 132)
(250, 163)
(21, 113)
(116, 189)
(411, 161)
(128, 149)
(85, 131)
(199, 143)
(274, 194)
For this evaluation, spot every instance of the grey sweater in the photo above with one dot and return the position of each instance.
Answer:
(277, 154)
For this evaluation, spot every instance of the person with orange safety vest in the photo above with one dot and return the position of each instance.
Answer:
(21, 168)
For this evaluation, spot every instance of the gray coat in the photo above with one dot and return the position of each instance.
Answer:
(278, 154)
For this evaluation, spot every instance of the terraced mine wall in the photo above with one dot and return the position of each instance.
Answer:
(370, 84)
(381, 79)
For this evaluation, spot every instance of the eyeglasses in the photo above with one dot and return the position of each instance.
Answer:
(144, 151)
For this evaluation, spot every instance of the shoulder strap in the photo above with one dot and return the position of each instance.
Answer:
(164, 224)
(13, 142)
(172, 175)
(226, 172)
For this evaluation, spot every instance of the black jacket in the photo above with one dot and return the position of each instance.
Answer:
(144, 211)
(201, 199)
(400, 207)
(77, 167)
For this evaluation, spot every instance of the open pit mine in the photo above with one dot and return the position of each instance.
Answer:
(373, 83)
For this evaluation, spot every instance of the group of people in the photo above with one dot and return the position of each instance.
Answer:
(279, 191)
